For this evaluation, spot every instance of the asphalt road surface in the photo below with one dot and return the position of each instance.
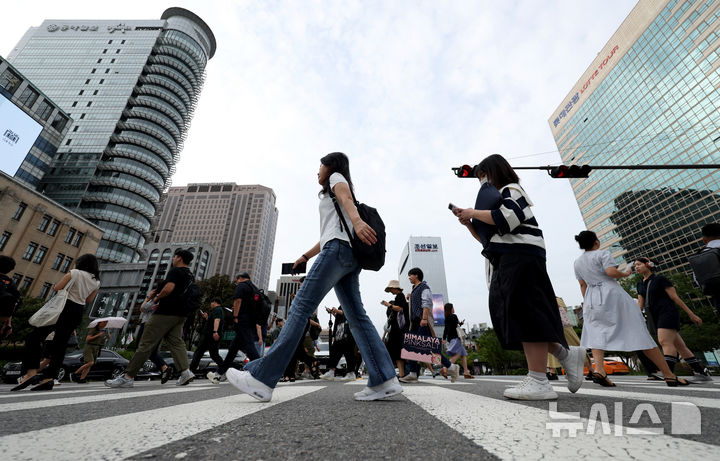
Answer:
(319, 420)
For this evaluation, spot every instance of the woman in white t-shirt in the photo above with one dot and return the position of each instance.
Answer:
(83, 282)
(336, 268)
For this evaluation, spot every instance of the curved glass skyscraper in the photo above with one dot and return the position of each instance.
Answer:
(131, 87)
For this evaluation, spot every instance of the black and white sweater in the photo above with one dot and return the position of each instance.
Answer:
(517, 228)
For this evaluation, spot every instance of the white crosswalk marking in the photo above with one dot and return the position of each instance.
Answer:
(141, 431)
(646, 396)
(515, 431)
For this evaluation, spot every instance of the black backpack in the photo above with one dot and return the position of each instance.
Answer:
(314, 331)
(191, 297)
(370, 257)
(706, 267)
(8, 297)
(261, 305)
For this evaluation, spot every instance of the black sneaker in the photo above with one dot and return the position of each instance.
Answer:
(166, 375)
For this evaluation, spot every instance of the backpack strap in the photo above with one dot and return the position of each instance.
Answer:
(339, 212)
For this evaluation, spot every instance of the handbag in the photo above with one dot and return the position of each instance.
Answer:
(370, 257)
(51, 310)
(425, 349)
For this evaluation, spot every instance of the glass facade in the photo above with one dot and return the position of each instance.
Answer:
(131, 89)
(657, 105)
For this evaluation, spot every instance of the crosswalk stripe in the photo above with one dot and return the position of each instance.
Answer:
(142, 431)
(515, 431)
(111, 394)
(646, 396)
(15, 395)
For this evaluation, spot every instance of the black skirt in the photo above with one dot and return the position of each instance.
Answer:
(523, 307)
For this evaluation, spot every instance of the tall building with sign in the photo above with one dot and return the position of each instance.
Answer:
(238, 220)
(649, 97)
(131, 88)
(426, 253)
(32, 127)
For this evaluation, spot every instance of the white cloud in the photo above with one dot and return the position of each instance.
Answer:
(407, 89)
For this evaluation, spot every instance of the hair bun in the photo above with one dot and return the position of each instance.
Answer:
(577, 238)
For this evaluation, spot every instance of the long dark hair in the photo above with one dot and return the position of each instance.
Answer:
(498, 171)
(88, 263)
(448, 309)
(337, 162)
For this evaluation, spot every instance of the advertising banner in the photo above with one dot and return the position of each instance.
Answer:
(18, 132)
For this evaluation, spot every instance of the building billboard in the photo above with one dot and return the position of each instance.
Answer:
(18, 132)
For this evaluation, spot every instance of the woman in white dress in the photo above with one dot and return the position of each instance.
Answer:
(611, 318)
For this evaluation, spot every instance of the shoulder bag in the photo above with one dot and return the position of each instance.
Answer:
(51, 310)
(370, 257)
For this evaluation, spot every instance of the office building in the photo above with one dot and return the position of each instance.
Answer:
(131, 89)
(426, 253)
(649, 97)
(238, 220)
(32, 127)
(286, 287)
(44, 238)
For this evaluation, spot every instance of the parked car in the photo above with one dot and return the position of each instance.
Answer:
(207, 364)
(612, 367)
(109, 365)
(323, 358)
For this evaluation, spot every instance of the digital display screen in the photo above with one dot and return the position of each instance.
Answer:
(18, 132)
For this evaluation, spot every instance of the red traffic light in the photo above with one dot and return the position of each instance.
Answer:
(559, 171)
(465, 171)
(572, 171)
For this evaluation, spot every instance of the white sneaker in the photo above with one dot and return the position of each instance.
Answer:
(213, 377)
(531, 389)
(700, 378)
(120, 381)
(573, 365)
(454, 372)
(349, 376)
(409, 378)
(328, 375)
(387, 389)
(185, 378)
(244, 382)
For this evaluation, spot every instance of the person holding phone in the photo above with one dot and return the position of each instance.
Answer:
(398, 312)
(335, 268)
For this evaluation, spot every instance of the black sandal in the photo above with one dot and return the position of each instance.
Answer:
(676, 381)
(315, 370)
(602, 380)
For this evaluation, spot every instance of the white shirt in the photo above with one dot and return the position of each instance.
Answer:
(330, 226)
(83, 284)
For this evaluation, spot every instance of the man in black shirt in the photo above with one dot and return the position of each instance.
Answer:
(166, 323)
(248, 334)
(9, 295)
(211, 334)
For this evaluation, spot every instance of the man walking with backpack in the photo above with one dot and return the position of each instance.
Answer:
(706, 264)
(247, 307)
(179, 298)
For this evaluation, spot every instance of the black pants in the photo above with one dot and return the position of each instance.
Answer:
(155, 356)
(207, 344)
(245, 340)
(346, 347)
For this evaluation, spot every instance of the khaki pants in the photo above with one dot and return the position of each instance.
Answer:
(157, 328)
(572, 339)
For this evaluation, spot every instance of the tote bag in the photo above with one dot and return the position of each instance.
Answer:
(51, 310)
(425, 349)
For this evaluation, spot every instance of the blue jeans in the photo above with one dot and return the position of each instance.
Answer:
(412, 366)
(337, 268)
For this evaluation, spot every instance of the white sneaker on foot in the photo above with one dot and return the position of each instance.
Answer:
(409, 378)
(700, 378)
(120, 381)
(387, 389)
(244, 382)
(185, 378)
(328, 375)
(573, 365)
(349, 376)
(531, 389)
(454, 372)
(213, 377)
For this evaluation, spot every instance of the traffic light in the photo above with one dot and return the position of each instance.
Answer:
(465, 171)
(572, 171)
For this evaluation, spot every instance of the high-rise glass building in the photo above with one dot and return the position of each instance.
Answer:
(650, 96)
(131, 88)
(427, 254)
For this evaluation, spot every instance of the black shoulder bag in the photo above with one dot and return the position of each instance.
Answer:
(370, 257)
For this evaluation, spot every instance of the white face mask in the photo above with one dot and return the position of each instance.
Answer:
(483, 181)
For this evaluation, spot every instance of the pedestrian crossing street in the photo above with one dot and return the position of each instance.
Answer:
(92, 422)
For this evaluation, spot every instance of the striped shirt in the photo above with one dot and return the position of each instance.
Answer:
(517, 228)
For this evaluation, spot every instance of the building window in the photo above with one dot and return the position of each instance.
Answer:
(75, 128)
(16, 278)
(44, 110)
(77, 239)
(42, 227)
(67, 143)
(58, 260)
(95, 93)
(40, 255)
(29, 251)
(9, 80)
(105, 51)
(4, 239)
(74, 104)
(87, 82)
(93, 71)
(19, 212)
(59, 122)
(45, 290)
(70, 235)
(89, 103)
(28, 96)
(54, 228)
(82, 116)
(66, 265)
(25, 286)
(102, 80)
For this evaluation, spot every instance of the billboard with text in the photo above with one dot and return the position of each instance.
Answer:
(18, 132)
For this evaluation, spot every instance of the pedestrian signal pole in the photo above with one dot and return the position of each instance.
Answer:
(583, 171)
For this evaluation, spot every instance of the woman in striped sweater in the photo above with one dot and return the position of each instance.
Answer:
(522, 302)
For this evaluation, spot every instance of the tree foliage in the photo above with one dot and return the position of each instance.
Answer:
(499, 359)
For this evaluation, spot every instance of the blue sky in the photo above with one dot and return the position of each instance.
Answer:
(406, 89)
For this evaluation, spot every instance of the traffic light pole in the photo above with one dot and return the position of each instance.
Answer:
(630, 167)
